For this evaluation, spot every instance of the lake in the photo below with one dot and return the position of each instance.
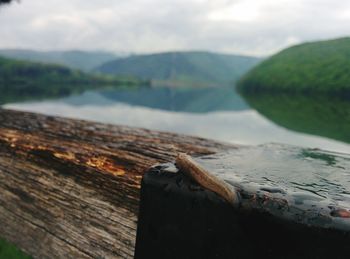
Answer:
(219, 114)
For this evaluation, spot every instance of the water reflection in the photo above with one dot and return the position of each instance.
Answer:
(317, 115)
(211, 113)
(191, 100)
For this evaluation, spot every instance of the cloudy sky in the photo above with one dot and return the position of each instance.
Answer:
(252, 27)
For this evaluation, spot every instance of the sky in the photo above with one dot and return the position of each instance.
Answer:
(248, 27)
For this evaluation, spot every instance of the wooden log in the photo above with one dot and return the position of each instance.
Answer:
(70, 188)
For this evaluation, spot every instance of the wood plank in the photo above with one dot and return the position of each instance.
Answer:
(70, 188)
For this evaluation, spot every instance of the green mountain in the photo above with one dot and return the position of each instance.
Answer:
(317, 67)
(173, 68)
(82, 60)
(28, 80)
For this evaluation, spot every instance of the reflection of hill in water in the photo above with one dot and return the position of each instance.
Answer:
(180, 100)
(317, 115)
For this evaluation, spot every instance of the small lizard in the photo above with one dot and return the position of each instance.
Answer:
(187, 165)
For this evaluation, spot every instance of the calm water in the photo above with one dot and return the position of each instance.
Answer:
(217, 114)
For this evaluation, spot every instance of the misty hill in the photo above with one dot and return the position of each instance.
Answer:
(322, 67)
(83, 60)
(182, 67)
(29, 80)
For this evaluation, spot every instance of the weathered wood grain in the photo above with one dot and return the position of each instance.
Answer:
(70, 188)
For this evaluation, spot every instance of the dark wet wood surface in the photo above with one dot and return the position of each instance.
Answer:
(70, 188)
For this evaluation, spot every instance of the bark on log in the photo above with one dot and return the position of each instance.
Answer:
(70, 188)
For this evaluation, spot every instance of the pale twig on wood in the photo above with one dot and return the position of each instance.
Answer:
(187, 165)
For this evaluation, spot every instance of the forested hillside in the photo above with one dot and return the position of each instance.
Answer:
(21, 80)
(76, 59)
(322, 67)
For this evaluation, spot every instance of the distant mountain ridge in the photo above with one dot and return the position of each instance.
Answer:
(192, 67)
(21, 80)
(76, 59)
(313, 67)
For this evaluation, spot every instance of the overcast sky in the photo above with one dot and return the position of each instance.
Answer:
(253, 27)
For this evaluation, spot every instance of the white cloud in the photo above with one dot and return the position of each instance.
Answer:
(240, 11)
(239, 26)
